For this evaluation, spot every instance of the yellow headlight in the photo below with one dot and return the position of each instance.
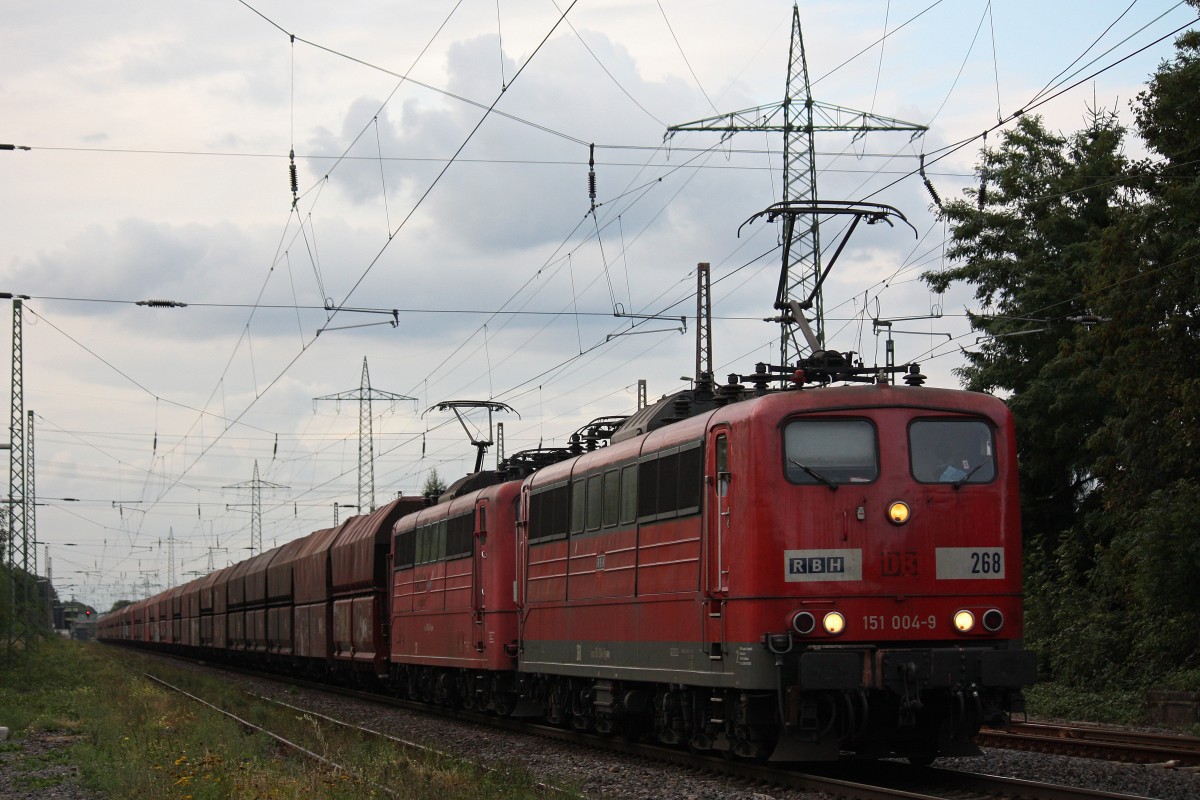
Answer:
(964, 621)
(834, 623)
(898, 512)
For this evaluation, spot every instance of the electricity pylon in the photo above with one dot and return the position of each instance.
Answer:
(255, 485)
(22, 586)
(798, 117)
(364, 394)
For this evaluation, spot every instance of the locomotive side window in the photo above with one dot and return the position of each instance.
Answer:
(691, 479)
(431, 542)
(647, 488)
(406, 548)
(612, 497)
(955, 451)
(594, 496)
(629, 479)
(460, 537)
(578, 494)
(830, 451)
(549, 513)
(669, 483)
(420, 538)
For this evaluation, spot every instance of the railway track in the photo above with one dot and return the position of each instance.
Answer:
(404, 745)
(854, 781)
(1089, 741)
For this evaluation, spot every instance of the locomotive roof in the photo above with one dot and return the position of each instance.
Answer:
(690, 403)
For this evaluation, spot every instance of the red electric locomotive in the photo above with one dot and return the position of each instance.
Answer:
(453, 612)
(796, 575)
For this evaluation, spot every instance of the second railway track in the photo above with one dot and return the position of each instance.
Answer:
(1090, 741)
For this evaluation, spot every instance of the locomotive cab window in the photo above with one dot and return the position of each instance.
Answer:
(830, 451)
(953, 451)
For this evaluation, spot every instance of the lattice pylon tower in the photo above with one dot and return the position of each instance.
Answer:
(799, 117)
(365, 394)
(255, 485)
(17, 550)
(30, 493)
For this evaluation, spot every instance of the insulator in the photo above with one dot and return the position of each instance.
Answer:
(983, 176)
(933, 193)
(295, 181)
(161, 304)
(592, 175)
(929, 186)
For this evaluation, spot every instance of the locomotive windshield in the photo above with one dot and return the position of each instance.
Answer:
(953, 451)
(830, 451)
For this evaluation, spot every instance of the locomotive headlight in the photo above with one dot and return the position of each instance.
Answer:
(898, 512)
(834, 623)
(964, 621)
(804, 623)
(993, 620)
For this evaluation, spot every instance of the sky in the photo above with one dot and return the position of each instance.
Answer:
(442, 171)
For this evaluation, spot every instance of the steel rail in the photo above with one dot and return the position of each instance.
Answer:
(1176, 750)
(276, 737)
(405, 743)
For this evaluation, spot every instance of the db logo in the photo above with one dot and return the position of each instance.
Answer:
(897, 563)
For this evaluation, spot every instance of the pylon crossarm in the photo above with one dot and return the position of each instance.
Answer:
(757, 118)
(839, 118)
(827, 118)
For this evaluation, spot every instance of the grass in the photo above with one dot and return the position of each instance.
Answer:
(132, 738)
(1113, 707)
(1064, 702)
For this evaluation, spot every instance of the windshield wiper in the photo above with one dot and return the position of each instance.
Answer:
(815, 474)
(958, 484)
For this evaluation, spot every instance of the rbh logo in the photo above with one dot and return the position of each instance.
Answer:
(817, 565)
(800, 566)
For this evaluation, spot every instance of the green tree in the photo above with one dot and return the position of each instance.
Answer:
(434, 485)
(1027, 240)
(1066, 231)
(1145, 450)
